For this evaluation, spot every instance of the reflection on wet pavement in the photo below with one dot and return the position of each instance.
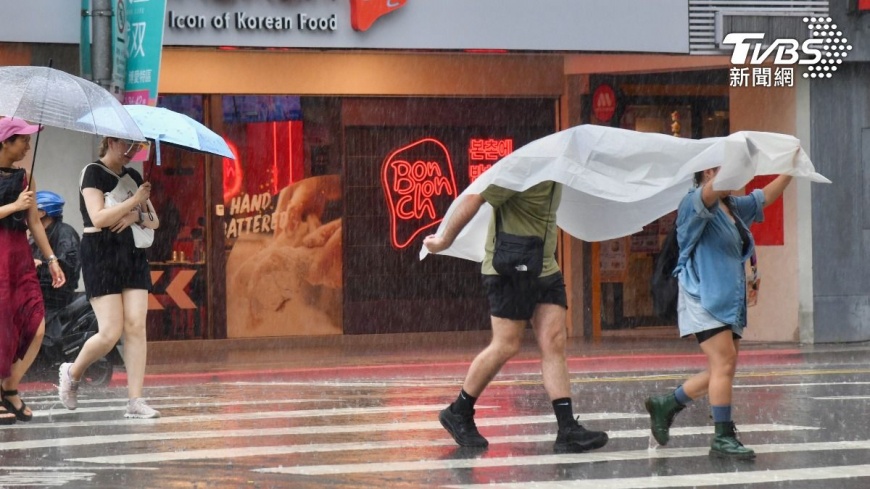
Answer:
(805, 416)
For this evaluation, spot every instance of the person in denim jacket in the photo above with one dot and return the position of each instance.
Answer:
(715, 242)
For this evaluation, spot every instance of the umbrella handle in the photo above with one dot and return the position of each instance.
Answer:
(36, 143)
(157, 149)
(33, 165)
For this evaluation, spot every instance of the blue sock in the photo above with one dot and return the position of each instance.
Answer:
(721, 414)
(682, 398)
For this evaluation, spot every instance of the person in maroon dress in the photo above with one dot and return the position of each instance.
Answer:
(22, 313)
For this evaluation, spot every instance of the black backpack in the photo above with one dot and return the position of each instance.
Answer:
(663, 285)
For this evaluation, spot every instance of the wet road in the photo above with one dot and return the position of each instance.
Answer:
(805, 414)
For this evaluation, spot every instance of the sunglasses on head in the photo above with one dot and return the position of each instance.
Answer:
(134, 147)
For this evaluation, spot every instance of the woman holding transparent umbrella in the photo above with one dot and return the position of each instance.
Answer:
(22, 312)
(116, 273)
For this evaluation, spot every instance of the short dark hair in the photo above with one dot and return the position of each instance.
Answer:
(10, 139)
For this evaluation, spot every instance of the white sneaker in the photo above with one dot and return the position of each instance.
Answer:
(136, 408)
(67, 388)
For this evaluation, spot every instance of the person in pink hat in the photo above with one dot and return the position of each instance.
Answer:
(22, 312)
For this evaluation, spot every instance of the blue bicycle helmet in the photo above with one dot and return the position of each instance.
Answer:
(50, 202)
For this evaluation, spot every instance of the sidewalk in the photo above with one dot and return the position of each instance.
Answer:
(355, 355)
(367, 350)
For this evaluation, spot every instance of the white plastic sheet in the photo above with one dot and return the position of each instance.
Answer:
(616, 181)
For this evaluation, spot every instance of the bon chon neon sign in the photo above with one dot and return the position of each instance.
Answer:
(419, 185)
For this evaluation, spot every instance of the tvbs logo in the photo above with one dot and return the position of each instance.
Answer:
(821, 53)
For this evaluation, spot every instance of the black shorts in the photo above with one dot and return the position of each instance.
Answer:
(512, 299)
(703, 336)
(111, 263)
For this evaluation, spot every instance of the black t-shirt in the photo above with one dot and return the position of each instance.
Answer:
(12, 183)
(103, 179)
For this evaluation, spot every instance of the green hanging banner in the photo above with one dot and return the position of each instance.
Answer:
(145, 20)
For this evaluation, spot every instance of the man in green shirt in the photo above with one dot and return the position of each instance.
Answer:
(513, 303)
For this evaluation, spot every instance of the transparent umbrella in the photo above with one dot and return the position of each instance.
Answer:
(51, 97)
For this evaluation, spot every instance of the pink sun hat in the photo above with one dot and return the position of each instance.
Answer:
(10, 126)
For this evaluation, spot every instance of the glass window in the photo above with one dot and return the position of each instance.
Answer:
(177, 309)
(282, 196)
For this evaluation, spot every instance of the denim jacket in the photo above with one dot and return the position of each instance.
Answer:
(711, 263)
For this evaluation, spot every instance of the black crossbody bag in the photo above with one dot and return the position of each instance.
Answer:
(519, 256)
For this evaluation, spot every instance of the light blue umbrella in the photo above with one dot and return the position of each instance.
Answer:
(167, 126)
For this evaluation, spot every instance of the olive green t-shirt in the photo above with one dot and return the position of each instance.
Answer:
(531, 212)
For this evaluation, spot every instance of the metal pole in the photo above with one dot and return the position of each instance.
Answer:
(101, 15)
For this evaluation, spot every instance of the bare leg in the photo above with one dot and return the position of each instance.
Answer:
(721, 353)
(20, 367)
(109, 310)
(697, 385)
(507, 337)
(551, 333)
(135, 345)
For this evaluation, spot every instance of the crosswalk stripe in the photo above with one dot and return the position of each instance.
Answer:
(516, 461)
(356, 384)
(511, 379)
(53, 399)
(221, 417)
(693, 480)
(261, 415)
(53, 479)
(841, 398)
(43, 468)
(33, 476)
(807, 384)
(103, 409)
(222, 453)
(299, 430)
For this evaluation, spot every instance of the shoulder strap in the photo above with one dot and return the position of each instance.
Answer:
(741, 227)
(546, 226)
(82, 174)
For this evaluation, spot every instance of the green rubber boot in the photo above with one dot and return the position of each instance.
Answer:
(726, 445)
(662, 411)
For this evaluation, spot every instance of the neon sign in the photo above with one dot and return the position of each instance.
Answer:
(419, 186)
(233, 173)
(483, 153)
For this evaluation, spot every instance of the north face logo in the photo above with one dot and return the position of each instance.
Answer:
(364, 13)
(419, 186)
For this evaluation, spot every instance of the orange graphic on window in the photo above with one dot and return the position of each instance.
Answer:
(419, 186)
(364, 13)
(233, 173)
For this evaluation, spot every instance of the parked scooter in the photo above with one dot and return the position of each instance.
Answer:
(66, 330)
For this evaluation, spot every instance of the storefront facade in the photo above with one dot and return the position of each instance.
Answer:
(841, 148)
(354, 129)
